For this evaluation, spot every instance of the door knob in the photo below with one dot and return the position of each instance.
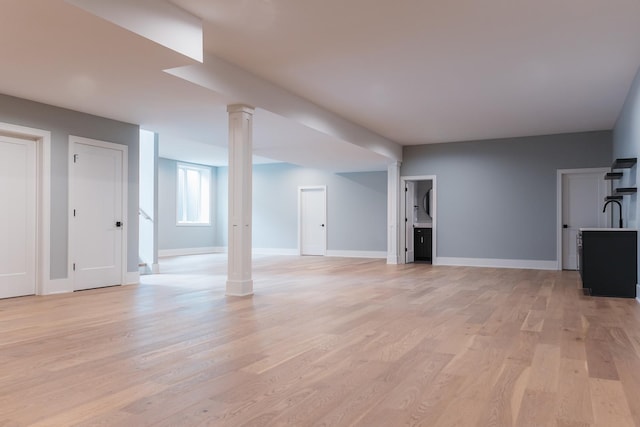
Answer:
(118, 224)
(322, 225)
(565, 226)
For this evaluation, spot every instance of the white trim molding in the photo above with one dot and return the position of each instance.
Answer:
(637, 292)
(357, 254)
(42, 138)
(58, 286)
(525, 264)
(163, 253)
(393, 213)
(274, 251)
(132, 278)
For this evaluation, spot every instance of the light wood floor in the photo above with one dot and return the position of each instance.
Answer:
(324, 341)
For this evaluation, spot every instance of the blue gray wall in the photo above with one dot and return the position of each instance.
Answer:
(356, 206)
(170, 235)
(62, 123)
(626, 143)
(497, 198)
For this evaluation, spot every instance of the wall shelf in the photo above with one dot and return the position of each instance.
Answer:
(613, 175)
(625, 190)
(608, 198)
(625, 163)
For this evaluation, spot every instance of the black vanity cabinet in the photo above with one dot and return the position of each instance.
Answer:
(422, 244)
(608, 262)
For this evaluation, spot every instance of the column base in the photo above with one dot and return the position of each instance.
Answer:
(239, 288)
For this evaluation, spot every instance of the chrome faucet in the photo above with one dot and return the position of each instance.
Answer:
(619, 209)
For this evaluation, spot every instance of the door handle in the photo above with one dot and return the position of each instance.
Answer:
(565, 226)
(118, 224)
(322, 225)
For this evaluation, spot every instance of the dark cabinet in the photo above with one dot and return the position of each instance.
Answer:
(422, 244)
(608, 262)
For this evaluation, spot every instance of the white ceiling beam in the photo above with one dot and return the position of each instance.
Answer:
(243, 87)
(157, 20)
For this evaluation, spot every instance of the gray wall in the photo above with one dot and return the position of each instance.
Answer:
(626, 143)
(497, 198)
(356, 207)
(170, 235)
(62, 123)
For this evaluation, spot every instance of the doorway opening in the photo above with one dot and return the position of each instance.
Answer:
(418, 211)
(581, 195)
(147, 207)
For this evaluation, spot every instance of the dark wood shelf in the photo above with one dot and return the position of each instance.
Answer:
(613, 175)
(625, 163)
(614, 197)
(626, 190)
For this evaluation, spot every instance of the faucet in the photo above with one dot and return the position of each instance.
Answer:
(619, 209)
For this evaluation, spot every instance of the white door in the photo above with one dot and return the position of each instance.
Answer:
(410, 211)
(313, 221)
(582, 201)
(17, 217)
(96, 201)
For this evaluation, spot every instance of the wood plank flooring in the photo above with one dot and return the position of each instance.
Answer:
(324, 341)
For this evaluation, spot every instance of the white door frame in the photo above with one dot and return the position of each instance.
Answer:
(326, 226)
(559, 202)
(125, 221)
(42, 139)
(409, 232)
(402, 225)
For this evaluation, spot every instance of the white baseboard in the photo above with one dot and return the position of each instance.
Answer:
(497, 263)
(269, 251)
(392, 260)
(357, 254)
(274, 251)
(132, 278)
(637, 292)
(57, 286)
(191, 251)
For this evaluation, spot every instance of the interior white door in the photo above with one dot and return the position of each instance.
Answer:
(410, 211)
(313, 221)
(18, 187)
(97, 221)
(582, 201)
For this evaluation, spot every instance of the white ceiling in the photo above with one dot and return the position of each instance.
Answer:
(411, 71)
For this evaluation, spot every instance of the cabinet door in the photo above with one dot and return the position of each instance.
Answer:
(420, 244)
(428, 243)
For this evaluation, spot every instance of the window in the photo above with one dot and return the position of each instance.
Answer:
(193, 199)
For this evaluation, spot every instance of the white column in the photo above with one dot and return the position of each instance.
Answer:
(239, 281)
(393, 212)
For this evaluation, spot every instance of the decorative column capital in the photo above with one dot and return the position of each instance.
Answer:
(240, 108)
